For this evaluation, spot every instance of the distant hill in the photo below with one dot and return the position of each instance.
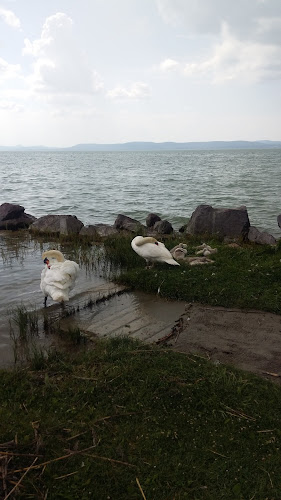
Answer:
(175, 146)
(154, 146)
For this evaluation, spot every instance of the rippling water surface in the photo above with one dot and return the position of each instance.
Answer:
(97, 186)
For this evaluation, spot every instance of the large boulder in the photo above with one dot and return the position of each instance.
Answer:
(57, 224)
(98, 230)
(163, 227)
(128, 224)
(13, 217)
(260, 237)
(151, 219)
(231, 222)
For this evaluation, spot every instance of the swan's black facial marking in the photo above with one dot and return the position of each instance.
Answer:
(46, 261)
(156, 242)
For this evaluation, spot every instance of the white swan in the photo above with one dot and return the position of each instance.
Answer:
(152, 250)
(58, 276)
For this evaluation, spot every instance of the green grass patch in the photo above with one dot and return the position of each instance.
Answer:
(244, 277)
(126, 417)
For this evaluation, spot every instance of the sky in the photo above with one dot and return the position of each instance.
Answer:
(114, 71)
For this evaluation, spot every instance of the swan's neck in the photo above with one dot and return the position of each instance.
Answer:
(143, 241)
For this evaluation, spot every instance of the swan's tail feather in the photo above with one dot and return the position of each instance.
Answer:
(172, 262)
(59, 297)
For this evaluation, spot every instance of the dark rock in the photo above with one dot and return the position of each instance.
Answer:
(124, 222)
(9, 211)
(279, 220)
(231, 222)
(57, 224)
(89, 231)
(163, 227)
(260, 237)
(13, 217)
(98, 230)
(151, 219)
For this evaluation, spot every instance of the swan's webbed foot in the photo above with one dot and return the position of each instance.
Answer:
(149, 264)
(45, 301)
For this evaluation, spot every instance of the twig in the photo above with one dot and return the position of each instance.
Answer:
(272, 374)
(20, 480)
(266, 430)
(117, 415)
(67, 475)
(141, 490)
(79, 452)
(84, 378)
(77, 435)
(11, 453)
(217, 453)
(175, 331)
(109, 459)
(238, 413)
(56, 459)
(9, 443)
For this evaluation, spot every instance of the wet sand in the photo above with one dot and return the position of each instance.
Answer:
(249, 340)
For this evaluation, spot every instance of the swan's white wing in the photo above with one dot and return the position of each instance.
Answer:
(57, 280)
(155, 252)
(71, 268)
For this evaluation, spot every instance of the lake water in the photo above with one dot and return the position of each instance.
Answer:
(20, 272)
(97, 186)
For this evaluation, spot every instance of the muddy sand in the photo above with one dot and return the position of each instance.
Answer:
(250, 340)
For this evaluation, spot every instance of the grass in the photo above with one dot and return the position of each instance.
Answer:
(128, 421)
(245, 277)
(29, 327)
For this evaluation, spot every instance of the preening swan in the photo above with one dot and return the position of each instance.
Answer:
(58, 276)
(152, 250)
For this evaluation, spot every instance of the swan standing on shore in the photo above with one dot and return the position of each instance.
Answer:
(152, 250)
(58, 276)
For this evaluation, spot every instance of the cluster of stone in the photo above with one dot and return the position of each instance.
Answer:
(227, 223)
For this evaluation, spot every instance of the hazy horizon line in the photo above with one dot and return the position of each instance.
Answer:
(132, 145)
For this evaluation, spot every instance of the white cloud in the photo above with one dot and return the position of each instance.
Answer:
(10, 106)
(230, 56)
(169, 65)
(60, 65)
(206, 17)
(232, 59)
(8, 71)
(9, 18)
(137, 90)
